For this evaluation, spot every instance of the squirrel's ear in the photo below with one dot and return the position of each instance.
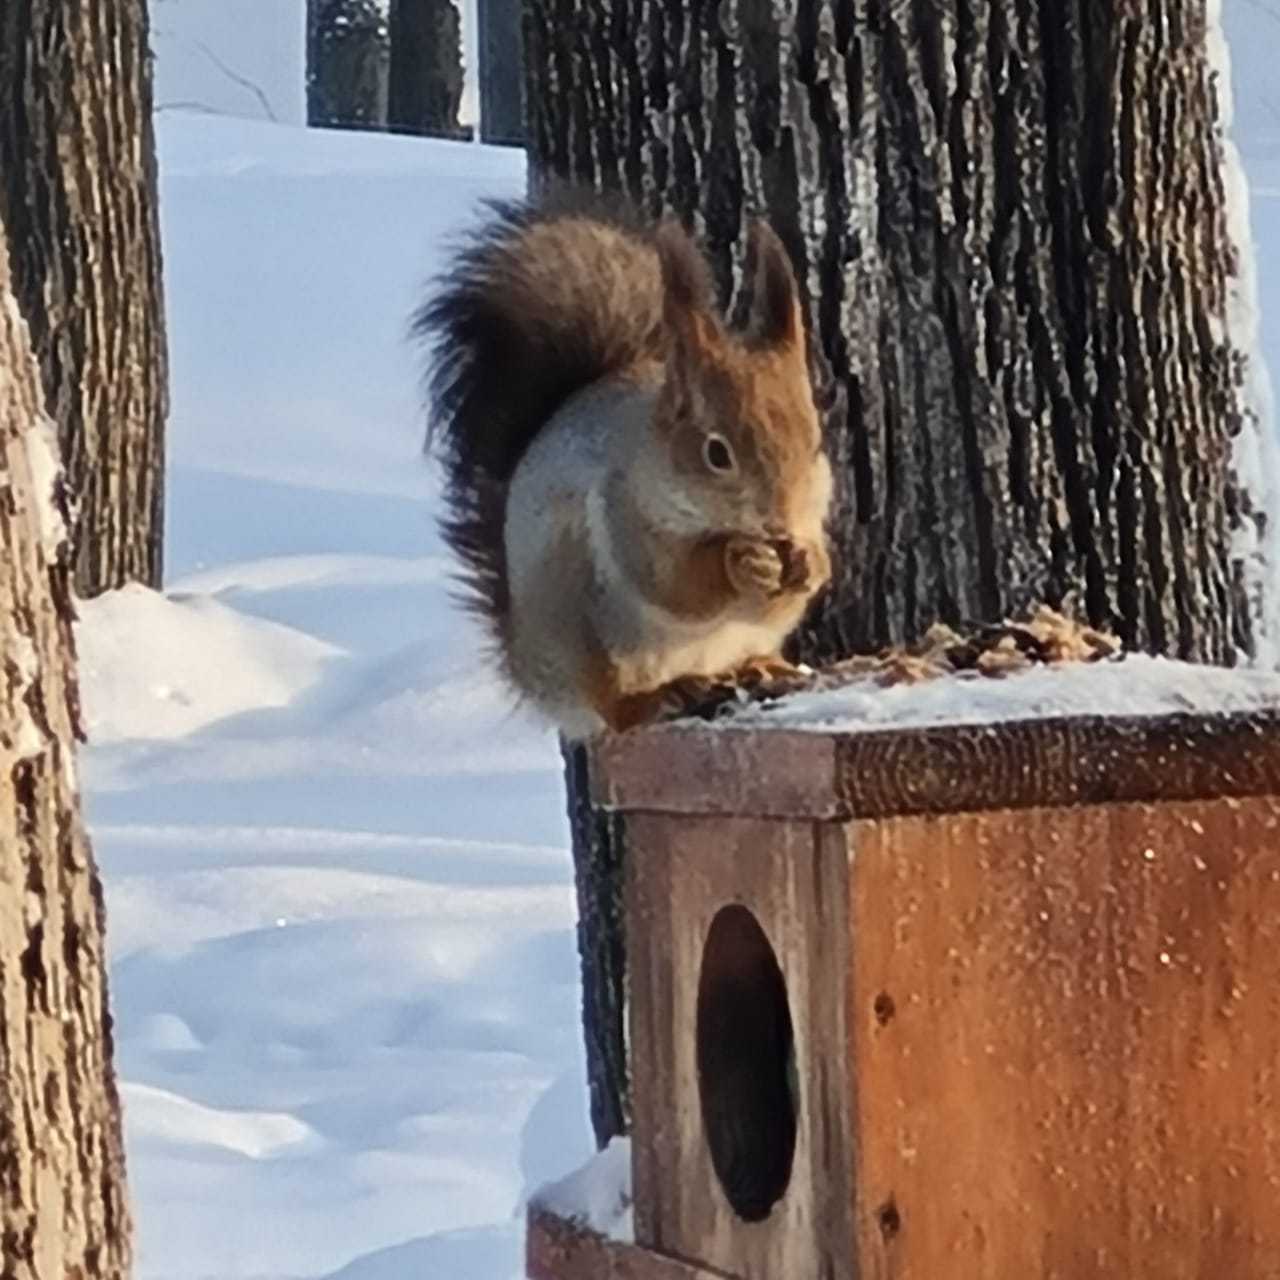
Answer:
(686, 281)
(776, 319)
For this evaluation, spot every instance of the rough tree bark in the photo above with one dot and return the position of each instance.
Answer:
(62, 1191)
(347, 57)
(598, 853)
(78, 196)
(424, 87)
(1008, 218)
(502, 86)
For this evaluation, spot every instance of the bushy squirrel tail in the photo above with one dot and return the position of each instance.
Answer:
(546, 298)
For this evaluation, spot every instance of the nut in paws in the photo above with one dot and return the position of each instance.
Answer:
(795, 564)
(755, 567)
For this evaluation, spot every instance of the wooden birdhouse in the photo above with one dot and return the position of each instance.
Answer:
(949, 1002)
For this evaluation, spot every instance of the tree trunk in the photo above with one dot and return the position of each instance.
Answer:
(1009, 221)
(598, 865)
(502, 83)
(425, 78)
(62, 1193)
(78, 196)
(346, 64)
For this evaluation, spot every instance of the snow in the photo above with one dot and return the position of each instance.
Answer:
(1255, 451)
(231, 57)
(341, 909)
(169, 1119)
(304, 254)
(340, 906)
(27, 739)
(248, 58)
(596, 1196)
(1136, 685)
(205, 661)
(40, 442)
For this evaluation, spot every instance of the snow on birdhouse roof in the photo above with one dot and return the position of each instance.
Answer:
(1135, 685)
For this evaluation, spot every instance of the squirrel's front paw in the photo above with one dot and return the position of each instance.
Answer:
(755, 568)
(773, 673)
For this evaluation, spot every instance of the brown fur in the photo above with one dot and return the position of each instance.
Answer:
(621, 709)
(543, 300)
(688, 578)
(758, 396)
(550, 300)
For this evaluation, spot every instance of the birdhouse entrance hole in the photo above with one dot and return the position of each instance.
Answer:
(746, 1074)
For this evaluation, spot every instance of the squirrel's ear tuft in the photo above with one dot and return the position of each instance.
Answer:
(686, 278)
(776, 319)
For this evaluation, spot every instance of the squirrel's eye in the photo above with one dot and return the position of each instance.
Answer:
(717, 453)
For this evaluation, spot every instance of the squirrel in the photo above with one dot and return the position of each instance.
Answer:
(636, 491)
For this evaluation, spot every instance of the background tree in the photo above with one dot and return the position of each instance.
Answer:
(78, 199)
(502, 84)
(425, 78)
(347, 54)
(1009, 221)
(62, 1190)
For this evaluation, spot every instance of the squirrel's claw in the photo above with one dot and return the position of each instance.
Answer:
(771, 675)
(680, 697)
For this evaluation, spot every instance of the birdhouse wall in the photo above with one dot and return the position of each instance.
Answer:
(793, 879)
(1065, 1036)
(970, 1002)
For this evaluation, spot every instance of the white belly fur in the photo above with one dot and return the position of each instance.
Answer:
(567, 588)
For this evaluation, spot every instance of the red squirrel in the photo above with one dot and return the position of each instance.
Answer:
(637, 492)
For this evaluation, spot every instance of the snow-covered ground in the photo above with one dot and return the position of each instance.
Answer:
(1252, 30)
(340, 907)
(231, 57)
(340, 904)
(247, 58)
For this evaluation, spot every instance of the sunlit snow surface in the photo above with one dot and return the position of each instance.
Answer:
(1135, 685)
(340, 906)
(596, 1196)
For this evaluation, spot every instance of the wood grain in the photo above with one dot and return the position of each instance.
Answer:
(794, 881)
(559, 1250)
(1066, 1038)
(763, 772)
(683, 769)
